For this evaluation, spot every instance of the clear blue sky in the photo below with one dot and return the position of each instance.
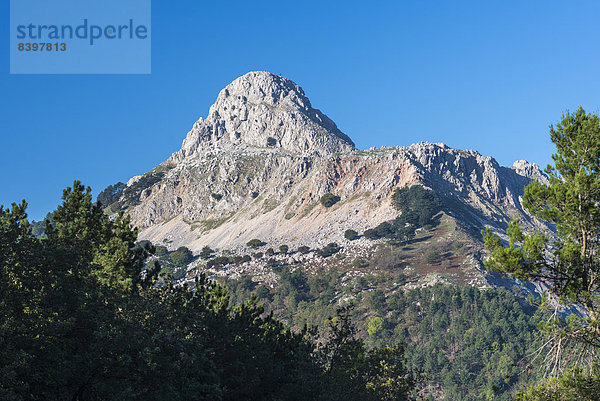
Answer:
(484, 75)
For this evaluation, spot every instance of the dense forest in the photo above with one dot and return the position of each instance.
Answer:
(463, 343)
(81, 319)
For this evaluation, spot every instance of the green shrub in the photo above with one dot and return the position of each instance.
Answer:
(361, 283)
(111, 194)
(255, 243)
(206, 253)
(331, 249)
(160, 250)
(166, 273)
(377, 300)
(181, 257)
(329, 199)
(432, 257)
(371, 234)
(263, 292)
(217, 196)
(303, 249)
(375, 326)
(271, 141)
(219, 261)
(423, 203)
(283, 249)
(350, 235)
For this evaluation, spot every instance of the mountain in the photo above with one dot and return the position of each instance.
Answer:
(259, 164)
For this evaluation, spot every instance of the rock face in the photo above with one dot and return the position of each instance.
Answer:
(257, 166)
(262, 110)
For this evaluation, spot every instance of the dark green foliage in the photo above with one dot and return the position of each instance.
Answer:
(471, 344)
(423, 204)
(350, 235)
(283, 249)
(570, 260)
(88, 311)
(303, 249)
(377, 301)
(361, 283)
(78, 322)
(169, 273)
(206, 253)
(111, 194)
(379, 374)
(160, 250)
(240, 290)
(219, 261)
(270, 252)
(371, 234)
(331, 249)
(119, 196)
(262, 291)
(293, 288)
(419, 207)
(329, 199)
(271, 141)
(384, 229)
(217, 197)
(258, 255)
(181, 257)
(474, 343)
(432, 257)
(255, 243)
(246, 258)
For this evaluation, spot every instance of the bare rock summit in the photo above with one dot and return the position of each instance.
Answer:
(260, 110)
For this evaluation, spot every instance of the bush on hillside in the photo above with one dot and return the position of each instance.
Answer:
(329, 199)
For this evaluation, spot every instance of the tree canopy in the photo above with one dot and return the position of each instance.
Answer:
(82, 318)
(568, 260)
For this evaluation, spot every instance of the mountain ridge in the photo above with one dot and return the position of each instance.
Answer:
(260, 162)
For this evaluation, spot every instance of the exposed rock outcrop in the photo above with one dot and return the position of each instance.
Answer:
(263, 110)
(257, 166)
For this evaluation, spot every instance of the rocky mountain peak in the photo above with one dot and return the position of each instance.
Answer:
(530, 170)
(261, 110)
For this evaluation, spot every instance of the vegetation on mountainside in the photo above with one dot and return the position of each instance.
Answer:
(466, 344)
(80, 319)
(330, 249)
(120, 196)
(351, 235)
(419, 208)
(255, 243)
(181, 256)
(569, 260)
(329, 199)
(111, 194)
